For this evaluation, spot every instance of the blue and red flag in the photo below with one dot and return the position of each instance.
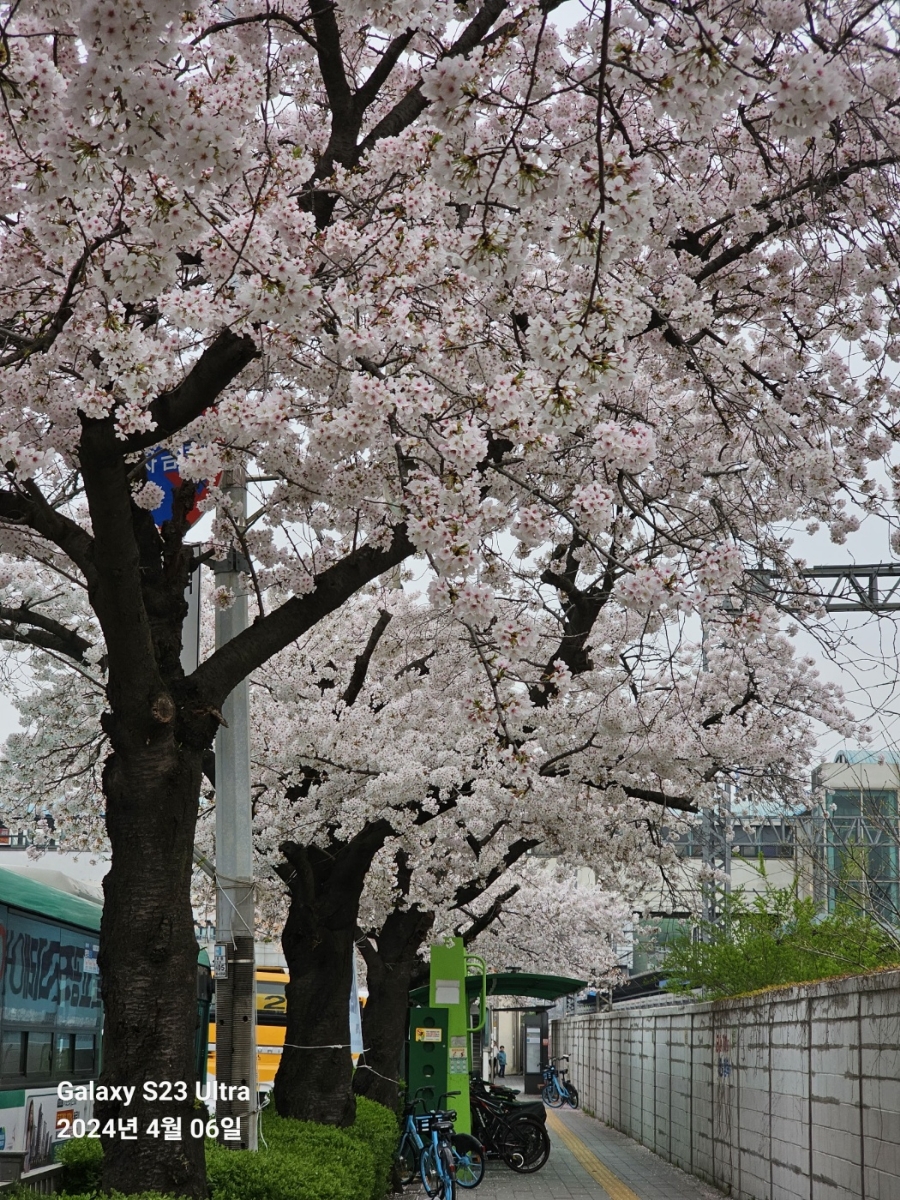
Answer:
(162, 469)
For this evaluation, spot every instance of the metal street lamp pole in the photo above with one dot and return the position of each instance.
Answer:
(235, 909)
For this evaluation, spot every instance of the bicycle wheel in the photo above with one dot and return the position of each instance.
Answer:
(448, 1163)
(525, 1145)
(551, 1096)
(407, 1160)
(573, 1095)
(430, 1172)
(469, 1155)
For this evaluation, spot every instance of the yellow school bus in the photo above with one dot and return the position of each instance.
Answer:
(271, 1019)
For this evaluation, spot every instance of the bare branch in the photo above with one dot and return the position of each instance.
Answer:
(361, 665)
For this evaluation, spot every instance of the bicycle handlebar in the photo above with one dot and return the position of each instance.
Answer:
(419, 1098)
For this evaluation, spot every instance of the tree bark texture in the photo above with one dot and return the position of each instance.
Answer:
(392, 960)
(148, 965)
(314, 1080)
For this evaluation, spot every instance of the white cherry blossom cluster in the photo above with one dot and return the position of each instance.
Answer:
(649, 588)
(593, 502)
(810, 93)
(149, 495)
(627, 449)
(23, 461)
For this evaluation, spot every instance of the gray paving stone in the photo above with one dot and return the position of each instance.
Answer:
(564, 1178)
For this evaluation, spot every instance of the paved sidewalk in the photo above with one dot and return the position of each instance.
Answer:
(589, 1161)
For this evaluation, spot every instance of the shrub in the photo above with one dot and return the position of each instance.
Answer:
(303, 1161)
(82, 1160)
(108, 1196)
(778, 937)
(377, 1127)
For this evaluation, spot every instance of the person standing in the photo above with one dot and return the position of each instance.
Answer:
(501, 1062)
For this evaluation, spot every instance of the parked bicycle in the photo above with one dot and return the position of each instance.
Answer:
(499, 1091)
(518, 1137)
(408, 1153)
(556, 1091)
(437, 1165)
(423, 1150)
(507, 1097)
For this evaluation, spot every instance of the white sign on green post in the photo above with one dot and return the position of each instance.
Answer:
(450, 966)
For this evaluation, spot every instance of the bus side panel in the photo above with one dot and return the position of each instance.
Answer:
(51, 1020)
(31, 1123)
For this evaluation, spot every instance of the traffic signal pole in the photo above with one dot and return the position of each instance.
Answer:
(235, 907)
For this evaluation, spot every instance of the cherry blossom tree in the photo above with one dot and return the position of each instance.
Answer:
(553, 925)
(398, 792)
(447, 279)
(400, 789)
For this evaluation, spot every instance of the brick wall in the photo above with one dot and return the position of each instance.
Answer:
(793, 1095)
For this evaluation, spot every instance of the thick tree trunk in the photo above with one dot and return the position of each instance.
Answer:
(148, 965)
(392, 961)
(315, 1074)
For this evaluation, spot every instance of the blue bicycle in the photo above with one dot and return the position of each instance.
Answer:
(556, 1091)
(444, 1161)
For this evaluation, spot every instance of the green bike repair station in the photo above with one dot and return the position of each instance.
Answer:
(440, 1033)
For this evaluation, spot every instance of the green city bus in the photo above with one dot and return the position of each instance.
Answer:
(51, 1018)
(51, 1015)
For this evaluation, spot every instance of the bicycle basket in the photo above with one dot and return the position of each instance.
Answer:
(547, 1074)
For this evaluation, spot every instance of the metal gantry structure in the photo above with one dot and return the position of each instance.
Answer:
(716, 842)
(871, 588)
(866, 588)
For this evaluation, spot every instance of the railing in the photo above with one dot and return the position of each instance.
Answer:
(42, 1181)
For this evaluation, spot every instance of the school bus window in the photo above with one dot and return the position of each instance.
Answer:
(271, 1002)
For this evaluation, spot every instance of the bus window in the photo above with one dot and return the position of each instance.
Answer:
(85, 1044)
(12, 1055)
(38, 1055)
(64, 1058)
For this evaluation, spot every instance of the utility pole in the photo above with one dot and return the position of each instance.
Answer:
(716, 834)
(235, 908)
